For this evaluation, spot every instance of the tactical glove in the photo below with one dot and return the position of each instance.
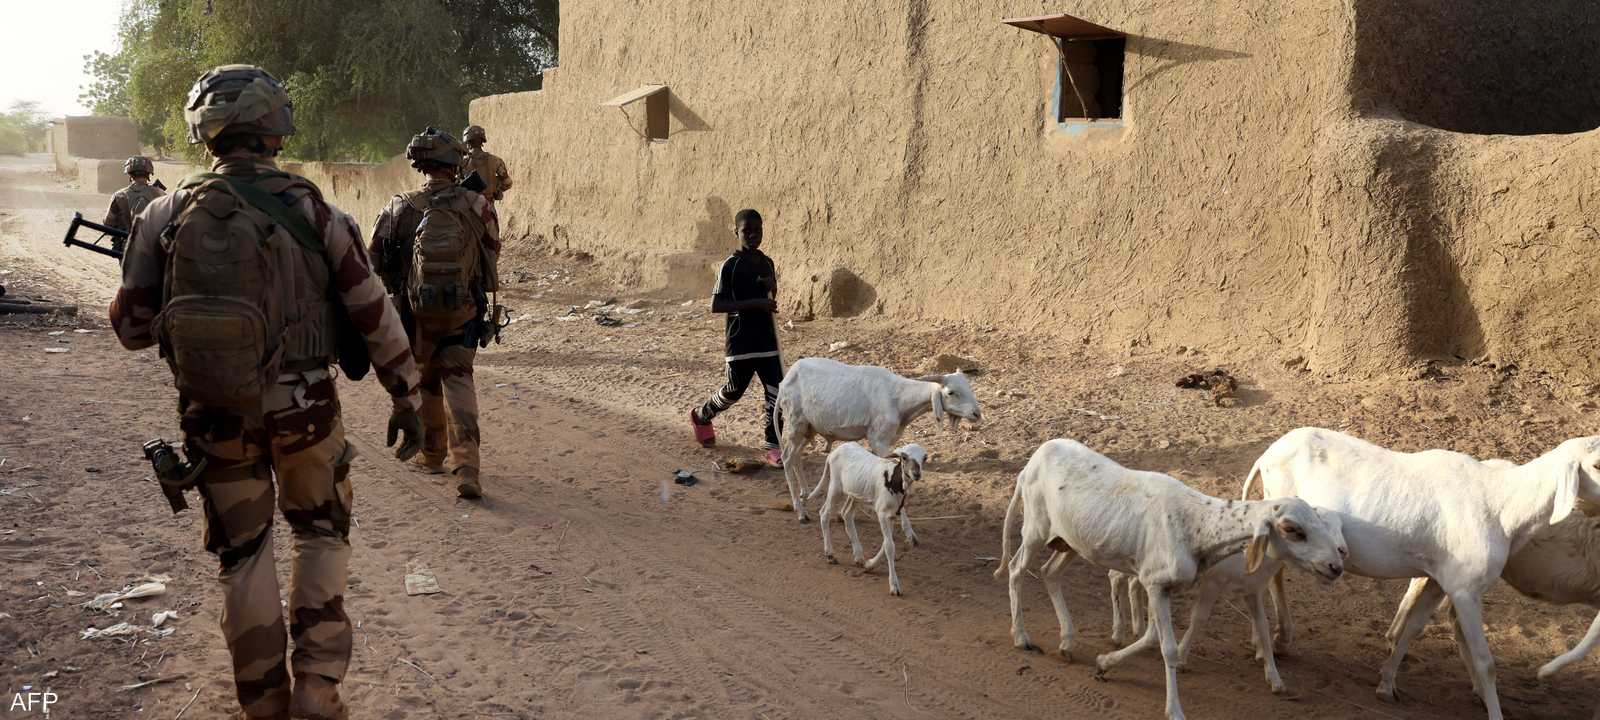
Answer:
(406, 425)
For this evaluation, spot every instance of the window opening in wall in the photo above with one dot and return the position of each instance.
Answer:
(657, 115)
(1089, 74)
(1089, 66)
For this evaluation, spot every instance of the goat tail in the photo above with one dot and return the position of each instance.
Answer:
(1249, 480)
(1005, 533)
(1577, 653)
(822, 480)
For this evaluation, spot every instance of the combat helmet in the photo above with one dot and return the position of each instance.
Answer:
(435, 146)
(474, 132)
(237, 99)
(138, 165)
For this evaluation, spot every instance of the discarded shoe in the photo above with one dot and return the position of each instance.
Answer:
(467, 483)
(740, 466)
(703, 432)
(317, 698)
(775, 458)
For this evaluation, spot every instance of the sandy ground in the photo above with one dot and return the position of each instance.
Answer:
(587, 585)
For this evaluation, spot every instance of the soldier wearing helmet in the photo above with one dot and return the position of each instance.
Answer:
(131, 200)
(281, 420)
(488, 165)
(437, 248)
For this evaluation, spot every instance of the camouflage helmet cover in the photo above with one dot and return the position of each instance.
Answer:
(435, 146)
(232, 99)
(138, 165)
(474, 132)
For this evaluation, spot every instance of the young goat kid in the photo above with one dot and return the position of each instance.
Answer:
(1079, 502)
(859, 402)
(855, 475)
(1436, 514)
(1228, 577)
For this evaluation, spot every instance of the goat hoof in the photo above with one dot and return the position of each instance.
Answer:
(1279, 690)
(896, 592)
(1066, 655)
(1389, 695)
(804, 519)
(1100, 676)
(832, 560)
(914, 541)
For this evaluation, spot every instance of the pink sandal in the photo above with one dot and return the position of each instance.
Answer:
(703, 432)
(775, 458)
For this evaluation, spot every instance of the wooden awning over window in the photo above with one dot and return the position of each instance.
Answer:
(633, 96)
(1064, 26)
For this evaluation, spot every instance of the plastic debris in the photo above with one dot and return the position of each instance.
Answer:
(57, 350)
(606, 321)
(841, 345)
(115, 631)
(684, 478)
(422, 582)
(159, 618)
(149, 586)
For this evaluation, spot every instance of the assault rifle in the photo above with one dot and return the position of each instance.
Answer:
(118, 237)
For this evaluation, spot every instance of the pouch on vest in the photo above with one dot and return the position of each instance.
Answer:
(221, 327)
(445, 264)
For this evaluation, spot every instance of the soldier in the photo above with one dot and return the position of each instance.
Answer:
(249, 349)
(437, 249)
(131, 200)
(488, 166)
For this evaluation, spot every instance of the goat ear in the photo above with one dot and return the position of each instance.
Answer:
(1256, 552)
(938, 406)
(1567, 492)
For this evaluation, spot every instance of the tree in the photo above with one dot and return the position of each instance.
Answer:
(364, 77)
(22, 128)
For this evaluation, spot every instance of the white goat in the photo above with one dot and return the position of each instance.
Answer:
(1560, 564)
(859, 402)
(1079, 502)
(1228, 577)
(859, 476)
(1436, 513)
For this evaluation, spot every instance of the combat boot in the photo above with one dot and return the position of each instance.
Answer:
(467, 483)
(316, 698)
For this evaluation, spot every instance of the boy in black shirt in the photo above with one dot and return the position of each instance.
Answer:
(747, 291)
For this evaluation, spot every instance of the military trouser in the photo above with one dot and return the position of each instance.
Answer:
(449, 400)
(300, 440)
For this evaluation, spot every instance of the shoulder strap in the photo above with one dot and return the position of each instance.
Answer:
(266, 202)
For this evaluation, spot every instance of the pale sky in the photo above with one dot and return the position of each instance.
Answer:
(42, 49)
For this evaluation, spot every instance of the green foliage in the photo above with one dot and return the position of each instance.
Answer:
(364, 76)
(22, 128)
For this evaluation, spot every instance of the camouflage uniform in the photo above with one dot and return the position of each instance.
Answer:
(490, 167)
(299, 440)
(445, 359)
(128, 202)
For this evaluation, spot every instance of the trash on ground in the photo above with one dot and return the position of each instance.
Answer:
(148, 683)
(841, 345)
(684, 478)
(115, 631)
(739, 465)
(157, 619)
(422, 582)
(606, 321)
(57, 350)
(150, 586)
(1221, 384)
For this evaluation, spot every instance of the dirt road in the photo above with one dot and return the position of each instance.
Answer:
(587, 585)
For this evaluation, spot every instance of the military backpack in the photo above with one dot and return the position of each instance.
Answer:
(442, 284)
(231, 295)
